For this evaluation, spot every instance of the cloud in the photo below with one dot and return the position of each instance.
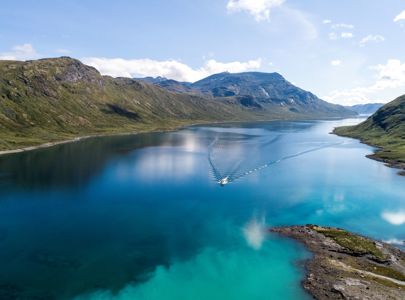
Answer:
(394, 218)
(388, 76)
(400, 17)
(333, 36)
(301, 21)
(259, 9)
(173, 69)
(262, 9)
(371, 39)
(346, 35)
(339, 31)
(327, 21)
(342, 26)
(336, 62)
(20, 52)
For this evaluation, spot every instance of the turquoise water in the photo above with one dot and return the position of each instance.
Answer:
(143, 217)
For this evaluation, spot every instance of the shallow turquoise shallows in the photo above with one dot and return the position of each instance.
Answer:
(144, 216)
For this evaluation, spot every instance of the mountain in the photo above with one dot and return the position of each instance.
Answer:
(365, 109)
(170, 84)
(49, 100)
(61, 98)
(384, 129)
(265, 92)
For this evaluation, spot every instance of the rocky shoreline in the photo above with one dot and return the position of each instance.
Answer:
(389, 163)
(348, 266)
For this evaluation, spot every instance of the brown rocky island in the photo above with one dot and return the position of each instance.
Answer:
(348, 266)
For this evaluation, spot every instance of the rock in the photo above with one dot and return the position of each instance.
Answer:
(349, 266)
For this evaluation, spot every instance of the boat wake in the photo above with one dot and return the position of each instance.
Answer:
(237, 171)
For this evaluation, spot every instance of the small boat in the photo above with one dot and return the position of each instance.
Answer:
(224, 181)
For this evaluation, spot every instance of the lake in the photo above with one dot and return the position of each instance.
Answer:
(144, 217)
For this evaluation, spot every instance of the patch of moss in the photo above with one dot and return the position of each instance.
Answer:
(376, 269)
(386, 283)
(357, 244)
(385, 271)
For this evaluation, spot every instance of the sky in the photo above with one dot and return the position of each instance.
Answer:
(345, 51)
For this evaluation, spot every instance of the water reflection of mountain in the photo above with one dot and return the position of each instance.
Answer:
(73, 164)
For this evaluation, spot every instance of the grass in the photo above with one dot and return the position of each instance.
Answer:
(352, 242)
(385, 129)
(385, 271)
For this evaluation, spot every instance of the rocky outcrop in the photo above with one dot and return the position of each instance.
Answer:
(348, 266)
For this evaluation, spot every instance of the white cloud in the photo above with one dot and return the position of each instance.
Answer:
(342, 26)
(394, 218)
(20, 52)
(340, 30)
(346, 35)
(301, 21)
(336, 62)
(259, 9)
(347, 97)
(371, 38)
(400, 17)
(118, 67)
(388, 76)
(327, 21)
(333, 36)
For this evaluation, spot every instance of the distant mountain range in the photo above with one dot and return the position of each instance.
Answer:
(365, 109)
(55, 99)
(257, 91)
(385, 129)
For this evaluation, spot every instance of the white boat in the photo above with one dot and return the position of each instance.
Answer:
(224, 181)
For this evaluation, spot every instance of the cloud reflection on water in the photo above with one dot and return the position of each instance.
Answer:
(255, 232)
(394, 217)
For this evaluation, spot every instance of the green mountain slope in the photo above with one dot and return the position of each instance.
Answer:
(56, 99)
(385, 129)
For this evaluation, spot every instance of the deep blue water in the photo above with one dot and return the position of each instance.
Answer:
(143, 216)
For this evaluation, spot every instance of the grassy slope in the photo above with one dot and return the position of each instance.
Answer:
(56, 99)
(385, 129)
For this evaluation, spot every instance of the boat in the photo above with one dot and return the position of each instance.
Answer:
(224, 181)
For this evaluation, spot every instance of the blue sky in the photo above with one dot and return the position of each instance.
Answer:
(344, 51)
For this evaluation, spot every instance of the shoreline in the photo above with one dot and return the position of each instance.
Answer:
(391, 163)
(179, 127)
(44, 146)
(77, 139)
(345, 265)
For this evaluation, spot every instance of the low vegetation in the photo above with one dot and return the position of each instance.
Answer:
(386, 130)
(351, 242)
(348, 266)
